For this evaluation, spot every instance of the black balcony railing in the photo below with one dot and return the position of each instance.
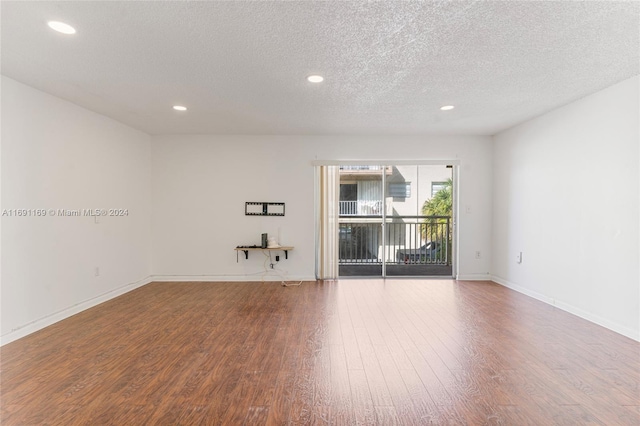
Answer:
(415, 240)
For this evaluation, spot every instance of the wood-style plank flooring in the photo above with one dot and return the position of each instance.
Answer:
(370, 352)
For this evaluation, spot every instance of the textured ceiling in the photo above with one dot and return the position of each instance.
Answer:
(240, 67)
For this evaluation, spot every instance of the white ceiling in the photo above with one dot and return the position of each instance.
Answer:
(241, 67)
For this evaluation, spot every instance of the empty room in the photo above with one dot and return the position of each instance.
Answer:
(320, 212)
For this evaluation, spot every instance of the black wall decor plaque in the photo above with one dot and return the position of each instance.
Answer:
(261, 208)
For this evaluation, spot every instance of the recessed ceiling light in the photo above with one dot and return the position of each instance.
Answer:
(61, 27)
(315, 78)
(447, 107)
(179, 108)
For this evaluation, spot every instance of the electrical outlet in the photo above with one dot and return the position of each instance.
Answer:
(97, 271)
(478, 254)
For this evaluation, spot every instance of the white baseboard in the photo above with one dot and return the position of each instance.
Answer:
(233, 278)
(620, 329)
(474, 277)
(48, 320)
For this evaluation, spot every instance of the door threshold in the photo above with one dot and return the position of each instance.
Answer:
(398, 277)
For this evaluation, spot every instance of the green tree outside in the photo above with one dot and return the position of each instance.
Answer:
(441, 204)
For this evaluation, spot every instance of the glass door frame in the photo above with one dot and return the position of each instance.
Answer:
(384, 219)
(408, 232)
(455, 163)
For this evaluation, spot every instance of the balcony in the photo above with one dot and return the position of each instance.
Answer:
(413, 245)
(360, 208)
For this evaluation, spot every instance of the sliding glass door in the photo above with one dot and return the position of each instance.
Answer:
(395, 220)
(418, 221)
(361, 219)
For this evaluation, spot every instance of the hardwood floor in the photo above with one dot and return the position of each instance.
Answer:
(407, 352)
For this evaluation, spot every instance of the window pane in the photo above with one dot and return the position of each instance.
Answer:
(400, 190)
(437, 186)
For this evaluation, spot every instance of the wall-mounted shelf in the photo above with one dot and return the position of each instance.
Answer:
(246, 250)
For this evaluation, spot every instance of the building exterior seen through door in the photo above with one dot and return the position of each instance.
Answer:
(395, 220)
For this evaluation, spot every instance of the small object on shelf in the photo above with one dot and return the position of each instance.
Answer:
(272, 243)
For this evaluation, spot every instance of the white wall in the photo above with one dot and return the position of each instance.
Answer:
(56, 155)
(566, 195)
(200, 185)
